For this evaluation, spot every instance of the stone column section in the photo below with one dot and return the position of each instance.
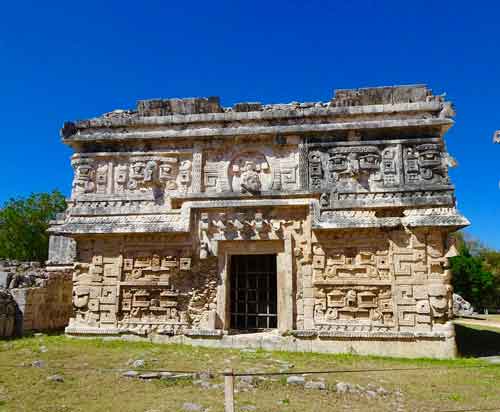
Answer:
(285, 286)
(307, 278)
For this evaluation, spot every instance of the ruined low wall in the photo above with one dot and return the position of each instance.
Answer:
(43, 296)
(46, 307)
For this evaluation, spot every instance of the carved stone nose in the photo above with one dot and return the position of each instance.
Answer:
(353, 167)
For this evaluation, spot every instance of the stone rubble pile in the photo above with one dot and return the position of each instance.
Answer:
(15, 274)
(248, 383)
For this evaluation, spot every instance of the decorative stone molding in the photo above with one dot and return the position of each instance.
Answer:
(351, 196)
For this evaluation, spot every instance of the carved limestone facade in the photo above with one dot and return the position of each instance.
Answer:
(176, 207)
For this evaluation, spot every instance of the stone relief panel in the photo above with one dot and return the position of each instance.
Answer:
(170, 173)
(377, 166)
(364, 257)
(129, 174)
(425, 164)
(406, 272)
(360, 308)
(94, 292)
(248, 170)
(247, 224)
(423, 307)
(352, 168)
(140, 288)
(380, 255)
(84, 177)
(154, 266)
(250, 173)
(149, 308)
(420, 255)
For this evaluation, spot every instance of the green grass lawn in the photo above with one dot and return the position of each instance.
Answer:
(89, 384)
(493, 318)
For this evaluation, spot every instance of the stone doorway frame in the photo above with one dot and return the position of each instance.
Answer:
(284, 277)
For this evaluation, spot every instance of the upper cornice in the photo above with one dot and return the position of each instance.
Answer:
(369, 108)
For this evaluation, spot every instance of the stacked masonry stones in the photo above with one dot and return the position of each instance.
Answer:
(32, 298)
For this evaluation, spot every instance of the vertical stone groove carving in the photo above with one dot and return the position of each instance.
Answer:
(303, 175)
(197, 169)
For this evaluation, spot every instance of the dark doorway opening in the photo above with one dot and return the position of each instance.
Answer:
(253, 292)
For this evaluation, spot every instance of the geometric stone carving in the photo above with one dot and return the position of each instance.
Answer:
(160, 174)
(378, 165)
(350, 307)
(352, 197)
(355, 263)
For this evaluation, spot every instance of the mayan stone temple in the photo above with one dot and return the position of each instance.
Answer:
(302, 226)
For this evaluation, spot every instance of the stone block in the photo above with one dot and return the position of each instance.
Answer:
(5, 278)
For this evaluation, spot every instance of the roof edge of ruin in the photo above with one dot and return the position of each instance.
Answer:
(209, 109)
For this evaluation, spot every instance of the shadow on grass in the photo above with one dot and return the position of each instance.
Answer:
(472, 342)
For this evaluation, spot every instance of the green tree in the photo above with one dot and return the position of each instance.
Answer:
(491, 259)
(471, 278)
(24, 223)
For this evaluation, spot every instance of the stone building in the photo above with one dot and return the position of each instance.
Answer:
(301, 226)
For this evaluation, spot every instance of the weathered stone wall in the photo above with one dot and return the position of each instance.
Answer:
(47, 307)
(42, 298)
(382, 281)
(142, 284)
(7, 314)
(352, 196)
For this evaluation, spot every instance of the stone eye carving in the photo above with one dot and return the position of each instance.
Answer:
(324, 200)
(337, 163)
(121, 174)
(429, 155)
(102, 178)
(370, 161)
(137, 170)
(185, 172)
(430, 161)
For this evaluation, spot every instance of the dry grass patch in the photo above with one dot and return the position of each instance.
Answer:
(92, 381)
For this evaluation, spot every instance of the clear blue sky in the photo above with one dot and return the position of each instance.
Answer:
(71, 60)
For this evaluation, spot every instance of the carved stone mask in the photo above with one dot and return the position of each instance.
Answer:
(439, 300)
